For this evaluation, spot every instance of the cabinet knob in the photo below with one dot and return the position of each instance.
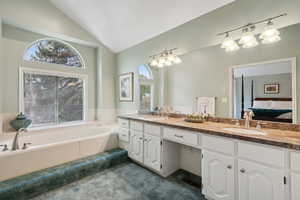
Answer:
(229, 167)
(141, 138)
(242, 170)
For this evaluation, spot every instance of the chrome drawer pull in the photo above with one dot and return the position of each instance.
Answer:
(242, 170)
(229, 167)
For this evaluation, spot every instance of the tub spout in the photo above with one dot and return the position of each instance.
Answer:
(15, 145)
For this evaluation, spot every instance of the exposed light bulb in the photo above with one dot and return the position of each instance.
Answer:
(270, 34)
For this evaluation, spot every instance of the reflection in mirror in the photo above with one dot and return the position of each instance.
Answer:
(266, 89)
(146, 88)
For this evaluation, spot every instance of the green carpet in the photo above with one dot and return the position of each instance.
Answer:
(128, 181)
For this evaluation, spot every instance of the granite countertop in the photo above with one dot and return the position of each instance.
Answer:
(276, 137)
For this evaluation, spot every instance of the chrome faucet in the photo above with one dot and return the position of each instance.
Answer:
(15, 145)
(248, 115)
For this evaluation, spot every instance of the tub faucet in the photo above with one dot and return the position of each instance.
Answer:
(15, 145)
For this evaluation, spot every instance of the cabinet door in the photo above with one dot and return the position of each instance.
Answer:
(218, 176)
(136, 145)
(295, 186)
(259, 182)
(152, 151)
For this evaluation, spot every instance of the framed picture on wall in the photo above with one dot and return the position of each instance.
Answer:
(126, 87)
(271, 88)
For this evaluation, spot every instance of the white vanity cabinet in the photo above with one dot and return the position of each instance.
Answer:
(259, 182)
(231, 169)
(145, 144)
(261, 173)
(136, 146)
(152, 151)
(218, 176)
(295, 175)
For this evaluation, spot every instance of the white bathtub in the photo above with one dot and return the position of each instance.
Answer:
(53, 147)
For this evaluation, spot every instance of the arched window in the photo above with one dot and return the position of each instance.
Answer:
(145, 72)
(52, 97)
(146, 86)
(54, 52)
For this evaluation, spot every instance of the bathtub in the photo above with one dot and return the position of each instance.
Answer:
(53, 147)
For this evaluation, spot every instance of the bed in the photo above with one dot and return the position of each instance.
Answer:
(272, 109)
(268, 109)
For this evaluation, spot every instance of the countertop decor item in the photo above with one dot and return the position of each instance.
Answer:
(194, 118)
(21, 121)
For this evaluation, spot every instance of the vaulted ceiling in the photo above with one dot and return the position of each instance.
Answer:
(120, 24)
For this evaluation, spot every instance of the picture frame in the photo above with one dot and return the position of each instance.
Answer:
(126, 90)
(271, 88)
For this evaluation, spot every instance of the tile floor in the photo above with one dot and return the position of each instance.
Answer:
(127, 181)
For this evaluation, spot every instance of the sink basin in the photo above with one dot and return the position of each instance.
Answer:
(244, 131)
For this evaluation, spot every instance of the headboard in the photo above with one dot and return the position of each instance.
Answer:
(273, 99)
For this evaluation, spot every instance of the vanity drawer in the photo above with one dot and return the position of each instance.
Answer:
(295, 161)
(219, 144)
(152, 129)
(181, 136)
(261, 153)
(124, 123)
(135, 125)
(123, 134)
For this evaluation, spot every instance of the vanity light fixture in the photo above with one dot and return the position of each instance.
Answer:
(165, 58)
(248, 39)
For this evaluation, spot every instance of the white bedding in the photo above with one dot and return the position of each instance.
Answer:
(276, 105)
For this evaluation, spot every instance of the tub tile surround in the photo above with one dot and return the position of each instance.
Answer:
(277, 137)
(36, 183)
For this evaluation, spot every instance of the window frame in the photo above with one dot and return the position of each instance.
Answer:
(84, 78)
(55, 64)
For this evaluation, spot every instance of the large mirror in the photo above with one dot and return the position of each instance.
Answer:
(268, 89)
(262, 79)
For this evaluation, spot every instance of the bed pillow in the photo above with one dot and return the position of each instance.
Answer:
(282, 105)
(262, 104)
(288, 115)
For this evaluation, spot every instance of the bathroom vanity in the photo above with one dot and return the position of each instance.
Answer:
(258, 164)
